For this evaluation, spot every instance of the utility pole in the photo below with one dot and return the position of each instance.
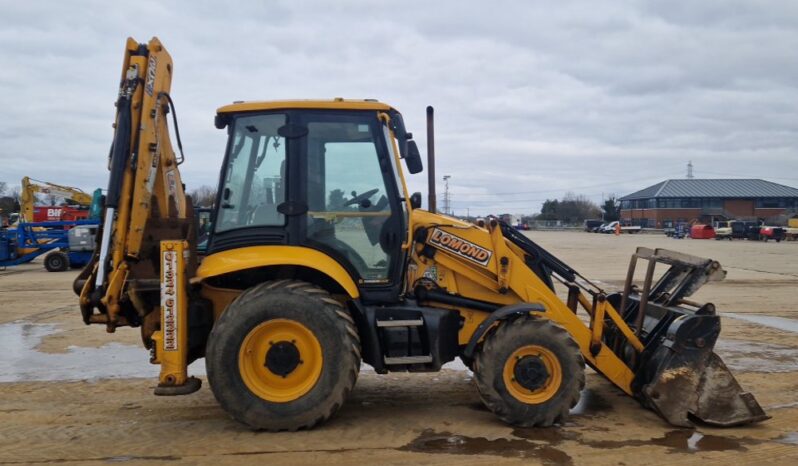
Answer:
(446, 200)
(690, 170)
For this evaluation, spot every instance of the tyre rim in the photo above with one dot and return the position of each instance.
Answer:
(532, 374)
(280, 360)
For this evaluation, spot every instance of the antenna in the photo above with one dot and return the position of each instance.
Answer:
(446, 206)
(690, 170)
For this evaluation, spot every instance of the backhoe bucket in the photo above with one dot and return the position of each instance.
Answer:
(678, 374)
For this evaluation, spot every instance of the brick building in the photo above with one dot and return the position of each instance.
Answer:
(673, 201)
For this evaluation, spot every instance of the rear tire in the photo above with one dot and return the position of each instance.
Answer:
(283, 356)
(529, 372)
(56, 261)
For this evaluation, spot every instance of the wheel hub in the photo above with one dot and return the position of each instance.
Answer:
(282, 358)
(530, 372)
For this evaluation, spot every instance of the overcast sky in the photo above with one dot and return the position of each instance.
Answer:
(532, 99)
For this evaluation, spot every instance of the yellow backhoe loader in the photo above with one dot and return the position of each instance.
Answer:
(319, 259)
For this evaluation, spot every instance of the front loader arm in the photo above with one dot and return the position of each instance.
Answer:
(145, 202)
(653, 344)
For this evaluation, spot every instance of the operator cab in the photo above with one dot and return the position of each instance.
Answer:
(322, 175)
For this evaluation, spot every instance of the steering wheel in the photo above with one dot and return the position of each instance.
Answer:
(361, 197)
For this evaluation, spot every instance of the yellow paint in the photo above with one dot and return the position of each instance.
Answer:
(549, 388)
(394, 150)
(267, 385)
(597, 322)
(473, 280)
(333, 104)
(235, 260)
(471, 320)
(219, 297)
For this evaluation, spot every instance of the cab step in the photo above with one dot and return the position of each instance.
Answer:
(402, 360)
(401, 323)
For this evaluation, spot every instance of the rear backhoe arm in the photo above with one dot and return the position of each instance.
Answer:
(145, 202)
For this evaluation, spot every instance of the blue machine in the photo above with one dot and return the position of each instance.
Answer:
(73, 239)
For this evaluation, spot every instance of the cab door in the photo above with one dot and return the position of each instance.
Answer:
(354, 209)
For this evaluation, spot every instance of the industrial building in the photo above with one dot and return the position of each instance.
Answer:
(705, 200)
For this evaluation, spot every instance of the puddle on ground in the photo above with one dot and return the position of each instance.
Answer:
(20, 362)
(452, 444)
(677, 441)
(550, 435)
(590, 404)
(790, 438)
(750, 356)
(779, 323)
(540, 443)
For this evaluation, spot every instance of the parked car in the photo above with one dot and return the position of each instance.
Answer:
(610, 228)
(592, 226)
(774, 233)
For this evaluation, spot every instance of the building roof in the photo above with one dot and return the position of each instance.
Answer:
(725, 188)
(332, 104)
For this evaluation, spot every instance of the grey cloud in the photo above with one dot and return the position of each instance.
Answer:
(533, 98)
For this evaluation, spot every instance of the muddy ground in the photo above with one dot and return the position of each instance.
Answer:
(72, 394)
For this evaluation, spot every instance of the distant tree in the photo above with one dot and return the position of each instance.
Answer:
(336, 199)
(203, 196)
(549, 210)
(6, 206)
(572, 208)
(612, 209)
(16, 193)
(3, 187)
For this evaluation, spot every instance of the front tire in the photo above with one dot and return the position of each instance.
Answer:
(283, 356)
(529, 372)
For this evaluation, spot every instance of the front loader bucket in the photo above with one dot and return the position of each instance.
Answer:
(685, 380)
(678, 374)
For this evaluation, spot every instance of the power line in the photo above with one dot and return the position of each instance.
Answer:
(602, 185)
(752, 176)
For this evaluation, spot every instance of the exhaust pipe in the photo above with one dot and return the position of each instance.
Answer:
(431, 159)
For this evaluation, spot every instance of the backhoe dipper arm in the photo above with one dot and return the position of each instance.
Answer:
(145, 202)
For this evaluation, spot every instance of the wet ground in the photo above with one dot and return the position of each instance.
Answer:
(73, 394)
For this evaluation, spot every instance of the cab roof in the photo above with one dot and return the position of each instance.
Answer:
(337, 103)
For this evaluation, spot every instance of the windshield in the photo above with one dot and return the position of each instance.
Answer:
(254, 184)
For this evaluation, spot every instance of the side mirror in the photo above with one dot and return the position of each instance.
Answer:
(398, 128)
(413, 158)
(415, 200)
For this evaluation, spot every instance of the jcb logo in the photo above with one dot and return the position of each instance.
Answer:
(460, 247)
